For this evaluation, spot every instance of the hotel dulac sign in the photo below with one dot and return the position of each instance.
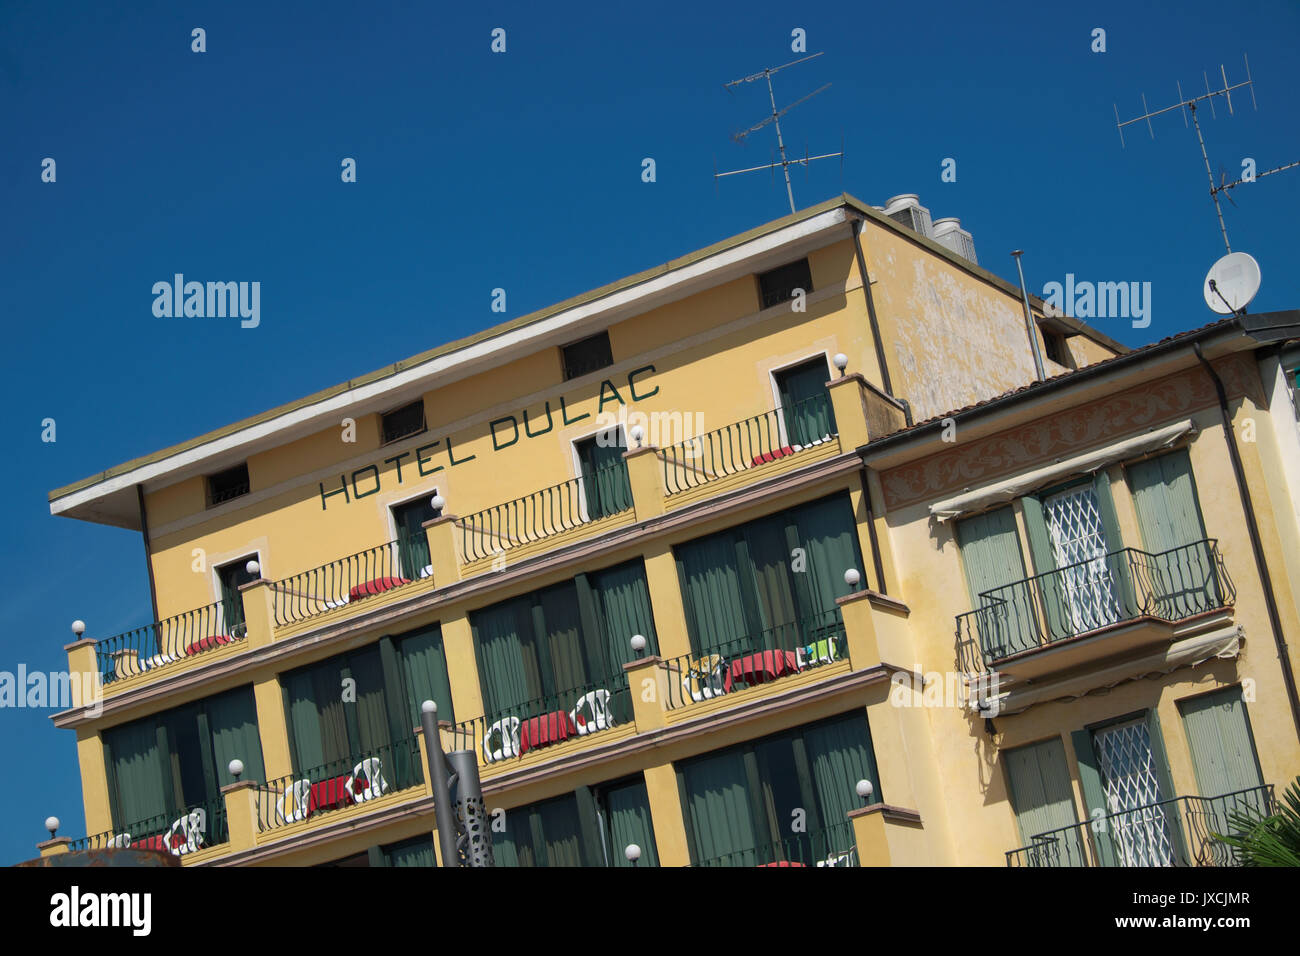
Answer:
(433, 456)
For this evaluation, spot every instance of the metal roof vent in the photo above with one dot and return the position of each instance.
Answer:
(906, 210)
(949, 234)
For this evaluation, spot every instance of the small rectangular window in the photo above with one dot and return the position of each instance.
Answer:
(403, 422)
(779, 284)
(586, 355)
(227, 484)
(1057, 349)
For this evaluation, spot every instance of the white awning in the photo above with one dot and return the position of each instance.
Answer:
(1010, 488)
(1224, 642)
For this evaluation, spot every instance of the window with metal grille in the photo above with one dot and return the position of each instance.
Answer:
(586, 355)
(228, 484)
(778, 285)
(403, 422)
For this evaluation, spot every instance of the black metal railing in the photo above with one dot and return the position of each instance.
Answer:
(754, 441)
(550, 511)
(180, 833)
(170, 640)
(771, 654)
(1175, 832)
(833, 845)
(354, 578)
(1090, 595)
(511, 732)
(340, 784)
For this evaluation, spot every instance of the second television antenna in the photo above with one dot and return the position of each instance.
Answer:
(1188, 104)
(775, 120)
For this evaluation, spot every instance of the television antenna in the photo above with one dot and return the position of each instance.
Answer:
(1188, 104)
(775, 119)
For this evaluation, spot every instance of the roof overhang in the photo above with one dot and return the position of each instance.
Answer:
(111, 497)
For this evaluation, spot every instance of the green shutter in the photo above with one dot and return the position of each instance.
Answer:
(417, 851)
(232, 722)
(605, 482)
(627, 808)
(424, 671)
(717, 805)
(1038, 784)
(711, 592)
(1117, 560)
(805, 403)
(1169, 514)
(1094, 798)
(991, 559)
(1222, 745)
(142, 773)
(1049, 589)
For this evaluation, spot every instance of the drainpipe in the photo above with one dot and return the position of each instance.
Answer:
(1029, 316)
(871, 311)
(148, 550)
(871, 530)
(1252, 527)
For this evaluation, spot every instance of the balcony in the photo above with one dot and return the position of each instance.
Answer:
(1177, 832)
(346, 581)
(771, 655)
(777, 435)
(182, 833)
(507, 736)
(171, 641)
(1102, 607)
(836, 845)
(338, 785)
(602, 496)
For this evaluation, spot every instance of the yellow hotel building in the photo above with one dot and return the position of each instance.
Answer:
(810, 547)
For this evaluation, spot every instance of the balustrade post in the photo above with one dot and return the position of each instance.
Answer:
(444, 554)
(241, 799)
(645, 475)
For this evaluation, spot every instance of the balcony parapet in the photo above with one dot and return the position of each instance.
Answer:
(1174, 832)
(1102, 596)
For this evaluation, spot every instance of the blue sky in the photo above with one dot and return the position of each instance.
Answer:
(522, 171)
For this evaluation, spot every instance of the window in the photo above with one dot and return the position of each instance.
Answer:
(1038, 784)
(783, 798)
(417, 851)
(586, 355)
(163, 765)
(1123, 769)
(778, 285)
(590, 827)
(1055, 345)
(357, 706)
(231, 577)
(541, 652)
(805, 404)
(543, 834)
(741, 590)
(412, 542)
(228, 484)
(605, 484)
(403, 422)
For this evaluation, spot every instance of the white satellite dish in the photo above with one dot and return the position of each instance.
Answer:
(1236, 278)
